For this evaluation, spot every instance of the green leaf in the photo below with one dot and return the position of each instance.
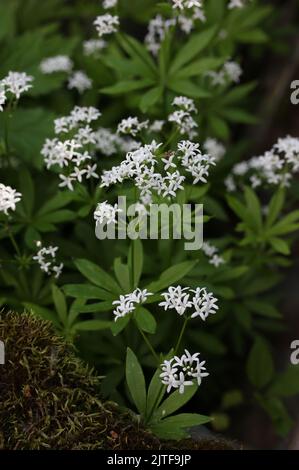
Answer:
(44, 313)
(156, 391)
(200, 66)
(263, 308)
(97, 275)
(61, 199)
(254, 208)
(186, 87)
(287, 383)
(122, 274)
(280, 245)
(119, 325)
(87, 291)
(135, 261)
(139, 52)
(145, 320)
(60, 303)
(192, 48)
(127, 86)
(175, 401)
(176, 427)
(92, 325)
(171, 275)
(275, 206)
(27, 191)
(135, 381)
(260, 367)
(253, 36)
(150, 98)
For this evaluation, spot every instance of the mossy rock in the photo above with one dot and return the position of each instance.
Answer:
(50, 398)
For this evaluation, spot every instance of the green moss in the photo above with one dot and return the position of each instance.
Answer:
(50, 398)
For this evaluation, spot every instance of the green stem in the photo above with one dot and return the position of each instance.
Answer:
(13, 241)
(181, 335)
(150, 347)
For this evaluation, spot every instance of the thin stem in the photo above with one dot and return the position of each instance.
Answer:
(13, 241)
(181, 335)
(146, 340)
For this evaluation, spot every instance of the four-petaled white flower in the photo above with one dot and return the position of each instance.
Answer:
(80, 81)
(106, 213)
(59, 63)
(16, 83)
(9, 197)
(46, 258)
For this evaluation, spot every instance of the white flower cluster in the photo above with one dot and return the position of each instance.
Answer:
(230, 72)
(132, 126)
(79, 81)
(109, 4)
(159, 26)
(212, 252)
(127, 303)
(106, 213)
(93, 46)
(46, 258)
(110, 143)
(14, 83)
(59, 63)
(181, 299)
(181, 372)
(9, 197)
(214, 148)
(237, 4)
(71, 154)
(106, 24)
(186, 4)
(140, 165)
(182, 116)
(276, 166)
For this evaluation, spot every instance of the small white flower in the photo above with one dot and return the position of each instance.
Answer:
(109, 4)
(46, 258)
(67, 182)
(9, 197)
(2, 97)
(237, 4)
(17, 83)
(80, 81)
(106, 24)
(186, 4)
(131, 125)
(214, 148)
(184, 103)
(106, 213)
(93, 46)
(91, 171)
(181, 372)
(204, 303)
(59, 63)
(127, 303)
(216, 260)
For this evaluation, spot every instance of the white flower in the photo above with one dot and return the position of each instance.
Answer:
(46, 258)
(233, 71)
(176, 298)
(2, 97)
(80, 81)
(214, 148)
(181, 372)
(59, 63)
(91, 171)
(157, 126)
(17, 83)
(106, 213)
(216, 260)
(109, 4)
(194, 161)
(208, 249)
(186, 4)
(77, 174)
(131, 125)
(106, 24)
(185, 123)
(236, 4)
(127, 303)
(204, 303)
(157, 30)
(92, 46)
(67, 182)
(184, 103)
(9, 197)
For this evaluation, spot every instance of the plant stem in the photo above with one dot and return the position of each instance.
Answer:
(146, 340)
(181, 335)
